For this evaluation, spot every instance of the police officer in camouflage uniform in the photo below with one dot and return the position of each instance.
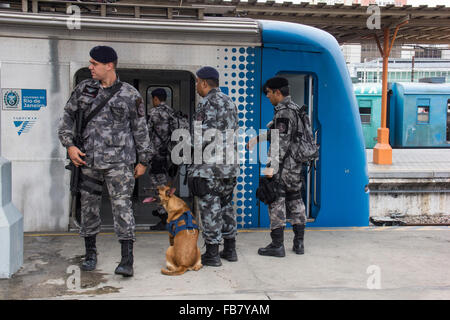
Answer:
(108, 155)
(289, 205)
(213, 180)
(159, 129)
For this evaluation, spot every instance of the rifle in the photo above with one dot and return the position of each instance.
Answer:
(78, 142)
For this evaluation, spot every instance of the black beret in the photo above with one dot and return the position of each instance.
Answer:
(160, 93)
(276, 83)
(103, 54)
(208, 73)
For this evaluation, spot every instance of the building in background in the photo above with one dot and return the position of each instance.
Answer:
(401, 70)
(406, 62)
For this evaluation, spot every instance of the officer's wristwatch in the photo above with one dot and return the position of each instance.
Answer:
(144, 163)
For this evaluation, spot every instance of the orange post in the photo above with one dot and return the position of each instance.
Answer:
(382, 152)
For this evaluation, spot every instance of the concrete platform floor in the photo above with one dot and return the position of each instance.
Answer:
(339, 263)
(412, 163)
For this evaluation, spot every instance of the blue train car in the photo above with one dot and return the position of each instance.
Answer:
(166, 53)
(419, 115)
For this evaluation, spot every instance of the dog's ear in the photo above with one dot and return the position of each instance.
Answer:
(170, 192)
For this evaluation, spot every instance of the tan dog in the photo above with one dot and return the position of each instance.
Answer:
(183, 253)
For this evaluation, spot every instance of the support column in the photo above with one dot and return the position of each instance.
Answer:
(382, 152)
(11, 225)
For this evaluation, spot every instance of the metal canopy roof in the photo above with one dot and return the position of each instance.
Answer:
(348, 24)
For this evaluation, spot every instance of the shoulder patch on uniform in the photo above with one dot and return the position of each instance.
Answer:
(90, 91)
(140, 107)
(282, 124)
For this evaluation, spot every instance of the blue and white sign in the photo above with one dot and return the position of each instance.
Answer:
(24, 99)
(23, 124)
(34, 99)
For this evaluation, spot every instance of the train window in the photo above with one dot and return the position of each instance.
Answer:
(149, 95)
(423, 114)
(365, 111)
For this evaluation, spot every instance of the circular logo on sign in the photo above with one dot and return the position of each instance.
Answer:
(11, 99)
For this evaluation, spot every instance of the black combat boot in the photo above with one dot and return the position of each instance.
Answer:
(299, 231)
(161, 225)
(211, 256)
(276, 247)
(90, 259)
(229, 250)
(125, 266)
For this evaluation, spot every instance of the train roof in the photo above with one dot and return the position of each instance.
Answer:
(410, 88)
(218, 30)
(297, 36)
(228, 31)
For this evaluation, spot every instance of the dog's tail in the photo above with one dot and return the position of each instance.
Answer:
(176, 272)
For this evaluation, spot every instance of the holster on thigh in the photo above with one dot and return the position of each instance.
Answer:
(91, 185)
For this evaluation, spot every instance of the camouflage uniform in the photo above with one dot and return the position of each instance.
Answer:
(111, 140)
(289, 174)
(159, 129)
(119, 180)
(217, 111)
